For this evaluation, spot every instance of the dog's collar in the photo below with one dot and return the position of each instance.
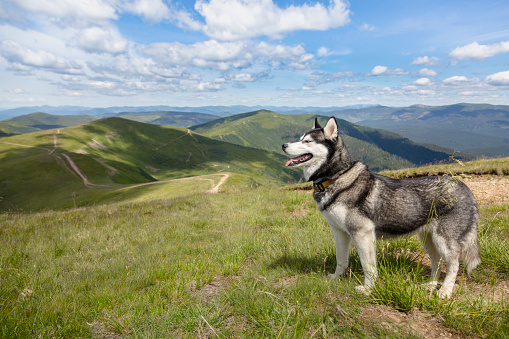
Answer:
(321, 184)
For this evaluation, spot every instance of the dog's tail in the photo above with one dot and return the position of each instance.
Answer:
(471, 255)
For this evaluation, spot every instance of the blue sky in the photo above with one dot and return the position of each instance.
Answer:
(256, 52)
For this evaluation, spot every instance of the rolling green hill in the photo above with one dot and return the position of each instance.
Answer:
(167, 118)
(268, 130)
(43, 121)
(8, 129)
(80, 165)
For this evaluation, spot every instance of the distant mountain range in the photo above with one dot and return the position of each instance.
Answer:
(478, 129)
(221, 111)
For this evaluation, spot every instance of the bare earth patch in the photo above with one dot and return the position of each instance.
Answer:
(417, 323)
(489, 189)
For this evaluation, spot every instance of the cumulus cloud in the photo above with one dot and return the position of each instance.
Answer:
(384, 70)
(426, 72)
(498, 79)
(239, 19)
(455, 80)
(426, 60)
(378, 70)
(226, 55)
(24, 59)
(423, 82)
(153, 10)
(68, 10)
(476, 51)
(102, 40)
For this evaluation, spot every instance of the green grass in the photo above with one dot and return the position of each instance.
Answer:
(494, 166)
(249, 262)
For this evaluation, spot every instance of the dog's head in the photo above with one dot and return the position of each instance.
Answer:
(319, 151)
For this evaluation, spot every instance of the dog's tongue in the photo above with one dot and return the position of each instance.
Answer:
(294, 161)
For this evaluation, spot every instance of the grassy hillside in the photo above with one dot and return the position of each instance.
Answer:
(43, 121)
(8, 129)
(167, 118)
(250, 262)
(37, 171)
(269, 130)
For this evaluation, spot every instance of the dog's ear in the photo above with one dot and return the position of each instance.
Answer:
(316, 125)
(331, 129)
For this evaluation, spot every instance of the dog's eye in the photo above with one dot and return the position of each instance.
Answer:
(307, 141)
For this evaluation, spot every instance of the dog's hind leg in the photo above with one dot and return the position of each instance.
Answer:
(425, 236)
(450, 252)
(365, 244)
(342, 241)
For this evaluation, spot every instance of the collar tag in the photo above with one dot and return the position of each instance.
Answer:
(321, 184)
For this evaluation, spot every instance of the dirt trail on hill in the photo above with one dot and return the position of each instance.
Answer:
(214, 190)
(80, 172)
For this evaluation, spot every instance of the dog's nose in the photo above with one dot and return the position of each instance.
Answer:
(284, 146)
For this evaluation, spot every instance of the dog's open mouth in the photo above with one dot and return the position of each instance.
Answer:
(299, 160)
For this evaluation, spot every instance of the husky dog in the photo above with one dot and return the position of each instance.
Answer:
(360, 205)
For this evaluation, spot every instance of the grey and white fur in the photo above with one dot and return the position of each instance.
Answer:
(360, 206)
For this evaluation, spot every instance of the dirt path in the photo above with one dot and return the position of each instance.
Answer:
(21, 145)
(168, 143)
(215, 189)
(54, 142)
(80, 172)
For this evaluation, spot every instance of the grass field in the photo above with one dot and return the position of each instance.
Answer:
(247, 262)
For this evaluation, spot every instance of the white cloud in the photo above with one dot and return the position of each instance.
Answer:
(15, 91)
(102, 40)
(426, 72)
(456, 80)
(153, 10)
(498, 79)
(67, 10)
(426, 60)
(423, 82)
(475, 51)
(322, 51)
(378, 70)
(240, 19)
(226, 55)
(367, 28)
(23, 59)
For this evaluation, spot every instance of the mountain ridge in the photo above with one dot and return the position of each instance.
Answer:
(268, 130)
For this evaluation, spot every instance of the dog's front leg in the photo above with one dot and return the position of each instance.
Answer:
(365, 243)
(342, 241)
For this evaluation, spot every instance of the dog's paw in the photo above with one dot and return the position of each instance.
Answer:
(361, 289)
(444, 294)
(332, 276)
